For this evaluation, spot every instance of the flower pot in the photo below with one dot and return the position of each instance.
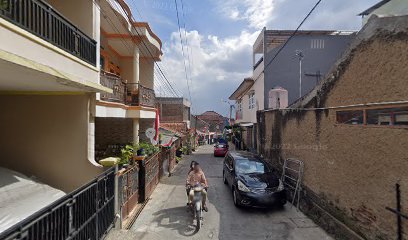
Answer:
(140, 152)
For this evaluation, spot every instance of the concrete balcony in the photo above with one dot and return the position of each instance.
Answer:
(38, 39)
(130, 94)
(43, 21)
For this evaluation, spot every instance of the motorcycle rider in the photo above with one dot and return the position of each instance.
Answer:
(194, 177)
(187, 188)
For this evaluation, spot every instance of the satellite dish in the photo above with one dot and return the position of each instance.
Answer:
(150, 133)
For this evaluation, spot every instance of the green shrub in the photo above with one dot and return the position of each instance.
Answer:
(149, 148)
(126, 154)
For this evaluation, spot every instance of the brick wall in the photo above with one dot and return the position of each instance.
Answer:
(171, 112)
(113, 131)
(350, 171)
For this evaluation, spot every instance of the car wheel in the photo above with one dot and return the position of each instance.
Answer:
(282, 203)
(224, 178)
(235, 198)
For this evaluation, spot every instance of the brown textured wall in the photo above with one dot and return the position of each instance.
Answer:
(113, 131)
(171, 112)
(352, 169)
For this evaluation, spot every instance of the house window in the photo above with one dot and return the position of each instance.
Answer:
(251, 100)
(239, 109)
(387, 116)
(239, 106)
(317, 43)
(350, 117)
(370, 117)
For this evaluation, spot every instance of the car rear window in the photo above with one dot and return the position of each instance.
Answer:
(248, 167)
(221, 146)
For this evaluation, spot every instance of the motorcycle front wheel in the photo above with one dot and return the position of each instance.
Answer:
(198, 218)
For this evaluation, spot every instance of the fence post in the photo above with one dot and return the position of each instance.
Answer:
(118, 218)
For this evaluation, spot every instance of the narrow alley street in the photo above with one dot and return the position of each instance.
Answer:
(166, 217)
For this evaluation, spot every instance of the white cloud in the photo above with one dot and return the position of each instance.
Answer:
(217, 65)
(256, 12)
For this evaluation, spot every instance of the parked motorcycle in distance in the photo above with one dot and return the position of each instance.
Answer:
(196, 205)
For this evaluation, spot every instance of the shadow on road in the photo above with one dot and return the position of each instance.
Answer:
(178, 219)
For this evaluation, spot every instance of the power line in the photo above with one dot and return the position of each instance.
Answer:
(129, 48)
(294, 33)
(187, 45)
(147, 48)
(182, 49)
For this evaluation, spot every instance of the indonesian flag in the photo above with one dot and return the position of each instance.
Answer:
(156, 126)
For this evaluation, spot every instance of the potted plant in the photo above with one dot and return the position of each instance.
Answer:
(141, 150)
(179, 152)
(126, 154)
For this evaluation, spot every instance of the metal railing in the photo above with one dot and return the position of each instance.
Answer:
(132, 94)
(42, 20)
(87, 213)
(115, 83)
(128, 190)
(139, 95)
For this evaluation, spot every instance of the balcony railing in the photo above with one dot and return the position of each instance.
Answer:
(139, 95)
(42, 20)
(115, 83)
(132, 94)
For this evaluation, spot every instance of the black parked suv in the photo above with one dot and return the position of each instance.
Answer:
(252, 181)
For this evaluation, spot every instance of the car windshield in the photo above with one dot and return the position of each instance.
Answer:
(245, 166)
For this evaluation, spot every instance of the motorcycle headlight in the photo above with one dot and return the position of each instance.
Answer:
(281, 186)
(242, 187)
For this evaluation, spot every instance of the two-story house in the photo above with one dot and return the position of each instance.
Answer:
(128, 52)
(49, 61)
(74, 74)
(282, 75)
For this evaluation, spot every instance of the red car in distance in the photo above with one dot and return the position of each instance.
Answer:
(220, 150)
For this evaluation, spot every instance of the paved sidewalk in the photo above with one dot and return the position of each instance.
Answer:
(166, 217)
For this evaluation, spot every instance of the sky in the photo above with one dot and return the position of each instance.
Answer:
(218, 36)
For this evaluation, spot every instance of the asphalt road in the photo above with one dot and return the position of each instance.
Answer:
(166, 216)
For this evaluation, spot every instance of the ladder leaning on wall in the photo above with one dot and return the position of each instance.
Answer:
(292, 174)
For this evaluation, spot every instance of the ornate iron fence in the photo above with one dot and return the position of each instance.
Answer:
(115, 83)
(86, 213)
(132, 94)
(42, 20)
(128, 190)
(149, 176)
(139, 95)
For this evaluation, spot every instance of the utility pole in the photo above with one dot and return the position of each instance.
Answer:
(231, 106)
(300, 55)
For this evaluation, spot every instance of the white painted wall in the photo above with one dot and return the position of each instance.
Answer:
(249, 115)
(19, 42)
(393, 7)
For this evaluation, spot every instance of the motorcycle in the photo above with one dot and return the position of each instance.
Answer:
(196, 205)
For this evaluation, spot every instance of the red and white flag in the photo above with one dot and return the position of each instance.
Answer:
(157, 126)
